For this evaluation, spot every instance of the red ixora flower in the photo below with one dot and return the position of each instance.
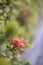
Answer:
(26, 11)
(18, 42)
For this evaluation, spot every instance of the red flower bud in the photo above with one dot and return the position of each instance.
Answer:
(26, 11)
(18, 42)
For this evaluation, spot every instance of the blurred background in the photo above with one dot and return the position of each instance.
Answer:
(18, 18)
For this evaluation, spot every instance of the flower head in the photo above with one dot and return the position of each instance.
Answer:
(18, 42)
(26, 11)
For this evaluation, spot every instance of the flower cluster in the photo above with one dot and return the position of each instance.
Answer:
(18, 42)
(26, 11)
